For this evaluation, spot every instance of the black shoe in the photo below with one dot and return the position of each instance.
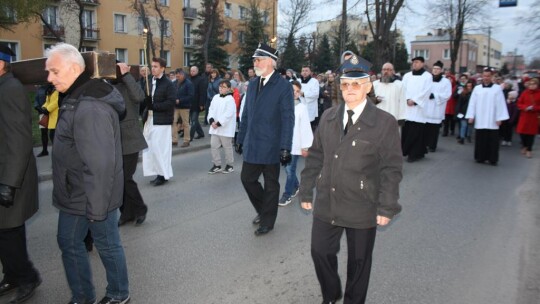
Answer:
(43, 153)
(85, 302)
(123, 221)
(6, 287)
(215, 169)
(107, 300)
(431, 149)
(25, 292)
(198, 136)
(160, 181)
(412, 159)
(154, 180)
(140, 219)
(461, 141)
(256, 220)
(263, 230)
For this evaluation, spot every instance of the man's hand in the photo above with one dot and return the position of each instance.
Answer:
(238, 149)
(498, 123)
(306, 205)
(214, 125)
(202, 108)
(305, 153)
(148, 103)
(471, 121)
(178, 101)
(382, 221)
(285, 157)
(124, 68)
(7, 194)
(410, 102)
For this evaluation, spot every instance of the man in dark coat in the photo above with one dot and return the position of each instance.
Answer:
(265, 136)
(356, 164)
(184, 98)
(18, 184)
(88, 177)
(133, 206)
(200, 85)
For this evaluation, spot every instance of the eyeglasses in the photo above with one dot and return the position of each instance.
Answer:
(355, 85)
(223, 87)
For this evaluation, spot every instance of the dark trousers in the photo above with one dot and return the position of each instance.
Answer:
(486, 145)
(16, 264)
(431, 135)
(133, 203)
(412, 139)
(527, 140)
(325, 240)
(44, 139)
(195, 125)
(449, 124)
(506, 130)
(264, 199)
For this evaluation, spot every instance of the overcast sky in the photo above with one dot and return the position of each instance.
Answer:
(412, 21)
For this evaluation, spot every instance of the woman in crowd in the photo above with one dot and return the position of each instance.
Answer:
(529, 107)
(461, 109)
(212, 90)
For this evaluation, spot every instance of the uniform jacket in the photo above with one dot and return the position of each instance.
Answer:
(199, 98)
(267, 120)
(51, 104)
(163, 101)
(356, 176)
(132, 138)
(87, 160)
(528, 120)
(17, 161)
(185, 93)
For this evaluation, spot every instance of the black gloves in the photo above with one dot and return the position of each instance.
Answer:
(148, 103)
(238, 149)
(7, 193)
(285, 157)
(431, 96)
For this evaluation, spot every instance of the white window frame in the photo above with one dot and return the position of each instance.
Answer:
(187, 59)
(242, 12)
(228, 35)
(188, 40)
(47, 15)
(446, 54)
(241, 36)
(167, 58)
(164, 2)
(123, 19)
(142, 57)
(122, 53)
(228, 9)
(168, 27)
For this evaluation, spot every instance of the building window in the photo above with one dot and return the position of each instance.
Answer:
(166, 27)
(50, 14)
(242, 13)
(188, 41)
(120, 23)
(8, 15)
(14, 46)
(87, 49)
(121, 55)
(140, 24)
(88, 24)
(167, 57)
(187, 3)
(142, 56)
(241, 36)
(423, 53)
(228, 36)
(187, 59)
(446, 54)
(265, 18)
(164, 2)
(228, 9)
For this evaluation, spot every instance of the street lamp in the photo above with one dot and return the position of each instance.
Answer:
(145, 58)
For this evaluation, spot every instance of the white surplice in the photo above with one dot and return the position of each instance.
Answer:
(487, 106)
(434, 108)
(417, 88)
(393, 97)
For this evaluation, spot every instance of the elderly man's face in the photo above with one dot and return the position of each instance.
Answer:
(387, 70)
(193, 71)
(62, 73)
(355, 90)
(262, 65)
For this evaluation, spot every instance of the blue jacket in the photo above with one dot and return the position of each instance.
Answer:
(185, 92)
(267, 120)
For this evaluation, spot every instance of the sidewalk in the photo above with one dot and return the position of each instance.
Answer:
(44, 164)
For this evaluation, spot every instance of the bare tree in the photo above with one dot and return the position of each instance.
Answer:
(163, 26)
(22, 11)
(141, 10)
(530, 19)
(295, 15)
(381, 15)
(454, 16)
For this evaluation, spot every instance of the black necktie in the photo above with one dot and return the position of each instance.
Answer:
(349, 122)
(261, 84)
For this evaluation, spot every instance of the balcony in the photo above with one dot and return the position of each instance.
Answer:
(90, 34)
(57, 32)
(190, 13)
(189, 42)
(90, 2)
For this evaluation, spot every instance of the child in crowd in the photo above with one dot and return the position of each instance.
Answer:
(222, 120)
(302, 140)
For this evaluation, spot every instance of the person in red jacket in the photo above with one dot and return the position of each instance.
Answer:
(529, 107)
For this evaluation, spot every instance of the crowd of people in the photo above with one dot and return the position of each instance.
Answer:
(354, 129)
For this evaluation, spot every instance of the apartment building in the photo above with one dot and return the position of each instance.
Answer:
(359, 30)
(108, 25)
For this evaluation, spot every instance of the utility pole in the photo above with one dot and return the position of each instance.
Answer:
(489, 46)
(394, 44)
(343, 27)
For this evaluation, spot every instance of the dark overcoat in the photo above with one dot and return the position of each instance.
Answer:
(17, 161)
(267, 120)
(357, 175)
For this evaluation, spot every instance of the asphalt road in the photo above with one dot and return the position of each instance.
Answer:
(468, 233)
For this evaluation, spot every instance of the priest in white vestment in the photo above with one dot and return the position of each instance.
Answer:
(441, 90)
(389, 92)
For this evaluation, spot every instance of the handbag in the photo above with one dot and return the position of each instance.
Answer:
(44, 121)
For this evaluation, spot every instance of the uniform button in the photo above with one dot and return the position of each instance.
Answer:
(333, 222)
(336, 156)
(333, 189)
